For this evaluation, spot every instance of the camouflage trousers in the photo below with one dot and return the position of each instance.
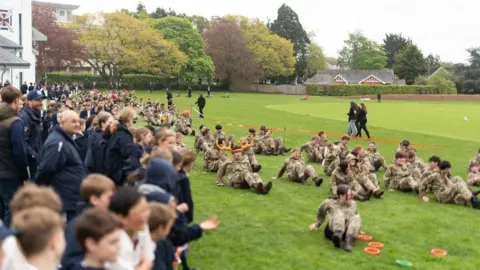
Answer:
(252, 159)
(329, 169)
(154, 122)
(212, 165)
(201, 145)
(299, 171)
(417, 175)
(323, 152)
(367, 183)
(404, 184)
(457, 193)
(373, 178)
(339, 223)
(273, 144)
(314, 156)
(244, 180)
(473, 179)
(260, 147)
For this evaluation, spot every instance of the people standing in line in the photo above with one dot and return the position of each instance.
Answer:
(60, 164)
(201, 102)
(13, 156)
(352, 119)
(31, 116)
(379, 97)
(362, 120)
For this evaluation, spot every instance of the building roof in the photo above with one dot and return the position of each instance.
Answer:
(8, 44)
(55, 5)
(10, 60)
(438, 70)
(351, 76)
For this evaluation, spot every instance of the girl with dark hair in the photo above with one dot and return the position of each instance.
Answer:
(362, 120)
(352, 119)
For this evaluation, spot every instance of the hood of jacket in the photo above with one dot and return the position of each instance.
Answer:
(161, 173)
(6, 111)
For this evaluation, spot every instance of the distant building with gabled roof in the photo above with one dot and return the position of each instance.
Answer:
(368, 77)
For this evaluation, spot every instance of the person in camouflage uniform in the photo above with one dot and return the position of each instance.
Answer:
(297, 171)
(323, 145)
(313, 150)
(474, 175)
(398, 176)
(342, 175)
(259, 146)
(415, 164)
(332, 159)
(250, 154)
(214, 157)
(344, 221)
(173, 113)
(449, 190)
(475, 159)
(432, 168)
(154, 119)
(239, 174)
(360, 171)
(219, 134)
(344, 147)
(179, 145)
(201, 130)
(205, 141)
(374, 157)
(274, 146)
(183, 125)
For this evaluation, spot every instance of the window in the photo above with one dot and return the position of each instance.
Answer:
(62, 13)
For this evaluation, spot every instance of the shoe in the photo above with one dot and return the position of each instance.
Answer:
(378, 194)
(286, 150)
(256, 168)
(368, 194)
(317, 181)
(348, 243)
(259, 188)
(267, 188)
(193, 132)
(360, 198)
(475, 203)
(337, 240)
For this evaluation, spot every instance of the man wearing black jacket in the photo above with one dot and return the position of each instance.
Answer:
(33, 127)
(61, 165)
(201, 102)
(24, 88)
(13, 157)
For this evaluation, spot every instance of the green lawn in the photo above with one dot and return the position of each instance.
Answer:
(270, 232)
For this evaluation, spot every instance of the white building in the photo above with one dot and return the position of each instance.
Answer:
(17, 56)
(64, 11)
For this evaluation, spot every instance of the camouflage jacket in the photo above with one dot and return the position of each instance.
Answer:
(288, 165)
(394, 174)
(340, 178)
(232, 168)
(330, 206)
(437, 181)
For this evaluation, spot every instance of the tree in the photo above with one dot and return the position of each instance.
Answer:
(180, 31)
(161, 13)
(361, 53)
(122, 43)
(287, 25)
(392, 44)
(433, 63)
(409, 63)
(201, 23)
(225, 44)
(60, 50)
(316, 59)
(442, 79)
(272, 53)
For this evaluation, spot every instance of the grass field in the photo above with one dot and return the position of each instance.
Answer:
(270, 232)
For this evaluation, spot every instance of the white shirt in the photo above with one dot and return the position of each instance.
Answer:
(13, 256)
(129, 255)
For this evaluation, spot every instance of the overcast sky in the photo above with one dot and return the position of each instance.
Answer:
(441, 27)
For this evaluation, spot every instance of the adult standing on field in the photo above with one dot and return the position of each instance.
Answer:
(379, 97)
(362, 120)
(352, 119)
(13, 157)
(31, 116)
(201, 102)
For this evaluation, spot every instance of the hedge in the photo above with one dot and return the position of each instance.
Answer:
(359, 90)
(129, 81)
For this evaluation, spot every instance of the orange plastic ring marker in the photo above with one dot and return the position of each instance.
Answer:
(364, 237)
(371, 251)
(438, 252)
(375, 245)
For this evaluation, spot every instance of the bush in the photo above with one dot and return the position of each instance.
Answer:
(360, 90)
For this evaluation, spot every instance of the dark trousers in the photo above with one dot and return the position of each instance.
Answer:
(8, 187)
(32, 168)
(183, 257)
(329, 234)
(379, 100)
(364, 127)
(201, 111)
(69, 215)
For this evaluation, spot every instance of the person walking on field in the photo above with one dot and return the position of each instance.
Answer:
(201, 104)
(352, 119)
(362, 120)
(379, 97)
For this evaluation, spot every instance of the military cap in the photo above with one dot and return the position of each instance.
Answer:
(218, 127)
(252, 130)
(263, 128)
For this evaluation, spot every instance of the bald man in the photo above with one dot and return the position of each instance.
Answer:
(60, 165)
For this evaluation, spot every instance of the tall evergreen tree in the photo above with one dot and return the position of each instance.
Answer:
(409, 63)
(392, 44)
(287, 25)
